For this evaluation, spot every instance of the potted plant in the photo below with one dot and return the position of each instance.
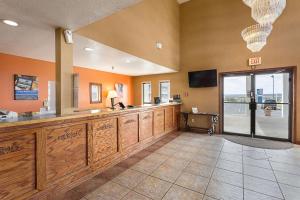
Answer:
(268, 111)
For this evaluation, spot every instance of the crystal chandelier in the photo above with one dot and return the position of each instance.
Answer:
(249, 2)
(256, 36)
(266, 11)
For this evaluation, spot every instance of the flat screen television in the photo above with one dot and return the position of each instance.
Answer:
(207, 78)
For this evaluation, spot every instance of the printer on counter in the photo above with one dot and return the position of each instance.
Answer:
(4, 114)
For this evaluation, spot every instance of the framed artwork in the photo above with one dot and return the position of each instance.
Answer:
(95, 93)
(25, 87)
(122, 92)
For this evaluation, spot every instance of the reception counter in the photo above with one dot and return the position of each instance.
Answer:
(39, 155)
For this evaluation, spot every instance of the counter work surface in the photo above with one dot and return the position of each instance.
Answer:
(91, 113)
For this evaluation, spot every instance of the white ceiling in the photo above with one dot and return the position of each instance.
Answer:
(108, 59)
(34, 37)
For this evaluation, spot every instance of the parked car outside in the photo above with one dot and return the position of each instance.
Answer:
(271, 103)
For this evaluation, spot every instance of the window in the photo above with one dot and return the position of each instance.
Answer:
(146, 92)
(164, 91)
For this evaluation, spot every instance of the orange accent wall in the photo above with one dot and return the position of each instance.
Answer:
(10, 65)
(45, 71)
(107, 80)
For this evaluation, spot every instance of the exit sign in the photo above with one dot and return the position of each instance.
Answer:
(255, 61)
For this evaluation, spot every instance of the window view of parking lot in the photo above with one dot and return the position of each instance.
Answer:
(272, 97)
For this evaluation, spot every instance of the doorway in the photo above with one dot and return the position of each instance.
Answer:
(258, 104)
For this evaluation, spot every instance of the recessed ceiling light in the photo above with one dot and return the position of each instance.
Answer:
(88, 49)
(128, 61)
(10, 22)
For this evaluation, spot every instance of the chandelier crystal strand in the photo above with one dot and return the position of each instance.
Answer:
(249, 2)
(266, 11)
(256, 36)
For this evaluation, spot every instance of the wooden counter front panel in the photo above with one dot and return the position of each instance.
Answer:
(146, 125)
(105, 138)
(169, 126)
(176, 117)
(159, 122)
(128, 129)
(17, 164)
(66, 150)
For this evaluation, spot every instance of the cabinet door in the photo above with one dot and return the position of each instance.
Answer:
(17, 164)
(159, 122)
(105, 138)
(128, 128)
(66, 150)
(169, 119)
(146, 125)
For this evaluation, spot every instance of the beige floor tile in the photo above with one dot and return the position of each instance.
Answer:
(109, 190)
(257, 163)
(230, 166)
(130, 178)
(259, 172)
(167, 173)
(176, 163)
(135, 196)
(166, 151)
(266, 187)
(208, 198)
(289, 192)
(191, 149)
(157, 158)
(210, 153)
(184, 155)
(226, 176)
(199, 169)
(251, 195)
(180, 193)
(284, 167)
(145, 166)
(288, 179)
(224, 191)
(193, 182)
(153, 187)
(255, 155)
(231, 157)
(205, 160)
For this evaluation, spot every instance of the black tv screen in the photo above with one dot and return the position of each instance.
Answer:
(207, 78)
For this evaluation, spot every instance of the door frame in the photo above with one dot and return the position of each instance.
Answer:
(292, 97)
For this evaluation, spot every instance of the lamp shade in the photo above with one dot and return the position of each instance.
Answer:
(112, 94)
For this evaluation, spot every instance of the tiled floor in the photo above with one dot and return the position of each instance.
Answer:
(194, 166)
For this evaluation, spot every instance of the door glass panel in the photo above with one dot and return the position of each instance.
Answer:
(236, 104)
(272, 96)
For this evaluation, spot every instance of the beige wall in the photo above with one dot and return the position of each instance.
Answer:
(210, 38)
(137, 29)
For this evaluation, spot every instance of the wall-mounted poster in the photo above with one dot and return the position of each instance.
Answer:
(122, 92)
(26, 87)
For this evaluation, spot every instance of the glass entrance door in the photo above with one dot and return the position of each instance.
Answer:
(273, 105)
(236, 98)
(258, 104)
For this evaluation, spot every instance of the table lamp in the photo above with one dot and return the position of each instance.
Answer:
(112, 94)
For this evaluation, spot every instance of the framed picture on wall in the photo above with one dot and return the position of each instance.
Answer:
(25, 87)
(95, 93)
(122, 92)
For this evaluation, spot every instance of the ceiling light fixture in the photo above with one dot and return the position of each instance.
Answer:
(88, 49)
(10, 22)
(267, 11)
(256, 36)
